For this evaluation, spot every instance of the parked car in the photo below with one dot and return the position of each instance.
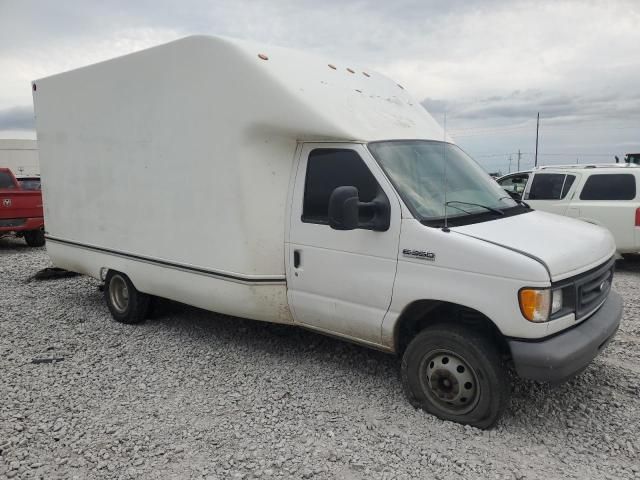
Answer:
(20, 210)
(607, 195)
(274, 185)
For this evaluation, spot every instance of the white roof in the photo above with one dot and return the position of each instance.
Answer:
(20, 155)
(297, 93)
(601, 167)
(18, 144)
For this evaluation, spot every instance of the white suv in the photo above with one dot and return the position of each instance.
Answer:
(606, 195)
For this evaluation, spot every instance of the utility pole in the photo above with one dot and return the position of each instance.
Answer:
(537, 131)
(445, 126)
(509, 163)
(519, 155)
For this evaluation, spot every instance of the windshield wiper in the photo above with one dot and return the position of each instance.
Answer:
(491, 209)
(461, 209)
(520, 201)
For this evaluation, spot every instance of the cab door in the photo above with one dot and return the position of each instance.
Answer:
(340, 281)
(551, 191)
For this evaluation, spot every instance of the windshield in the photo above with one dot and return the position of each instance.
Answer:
(29, 183)
(417, 170)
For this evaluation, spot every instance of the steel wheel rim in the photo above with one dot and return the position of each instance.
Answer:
(119, 293)
(449, 381)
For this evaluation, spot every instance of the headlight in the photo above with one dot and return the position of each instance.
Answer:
(538, 304)
(535, 303)
(556, 300)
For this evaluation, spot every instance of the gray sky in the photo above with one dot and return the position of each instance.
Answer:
(490, 65)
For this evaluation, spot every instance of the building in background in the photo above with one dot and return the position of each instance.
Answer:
(21, 156)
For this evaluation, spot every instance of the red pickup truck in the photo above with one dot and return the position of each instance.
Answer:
(20, 210)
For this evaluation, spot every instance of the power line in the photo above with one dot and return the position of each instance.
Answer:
(503, 127)
(486, 155)
(580, 154)
(476, 131)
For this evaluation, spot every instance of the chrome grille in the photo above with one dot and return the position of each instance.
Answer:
(585, 292)
(592, 288)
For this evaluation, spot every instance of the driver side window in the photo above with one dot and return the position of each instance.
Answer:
(328, 169)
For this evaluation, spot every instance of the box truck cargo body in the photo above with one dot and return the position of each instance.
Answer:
(184, 154)
(270, 184)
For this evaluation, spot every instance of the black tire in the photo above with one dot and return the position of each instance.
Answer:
(125, 302)
(34, 238)
(432, 379)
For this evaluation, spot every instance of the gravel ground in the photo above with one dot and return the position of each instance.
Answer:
(190, 394)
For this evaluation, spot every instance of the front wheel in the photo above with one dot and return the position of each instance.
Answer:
(125, 302)
(456, 374)
(34, 238)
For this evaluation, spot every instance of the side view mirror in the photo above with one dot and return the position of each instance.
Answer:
(343, 208)
(346, 210)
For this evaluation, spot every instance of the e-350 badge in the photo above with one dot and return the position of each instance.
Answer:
(421, 254)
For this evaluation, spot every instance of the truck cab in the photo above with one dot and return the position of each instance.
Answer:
(21, 211)
(389, 248)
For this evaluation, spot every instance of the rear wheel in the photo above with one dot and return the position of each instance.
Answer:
(125, 302)
(456, 374)
(34, 238)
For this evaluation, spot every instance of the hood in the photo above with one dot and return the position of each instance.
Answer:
(565, 245)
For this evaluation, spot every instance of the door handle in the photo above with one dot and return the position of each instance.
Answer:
(297, 258)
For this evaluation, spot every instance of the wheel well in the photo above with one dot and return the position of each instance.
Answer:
(106, 271)
(424, 313)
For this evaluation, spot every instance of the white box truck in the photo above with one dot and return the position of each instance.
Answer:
(274, 185)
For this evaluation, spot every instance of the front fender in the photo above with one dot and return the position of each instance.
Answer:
(494, 297)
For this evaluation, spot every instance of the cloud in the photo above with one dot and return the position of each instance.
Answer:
(17, 118)
(488, 64)
(519, 105)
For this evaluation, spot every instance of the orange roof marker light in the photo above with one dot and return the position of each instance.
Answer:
(350, 70)
(262, 56)
(331, 66)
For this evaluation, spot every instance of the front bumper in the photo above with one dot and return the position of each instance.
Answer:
(568, 353)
